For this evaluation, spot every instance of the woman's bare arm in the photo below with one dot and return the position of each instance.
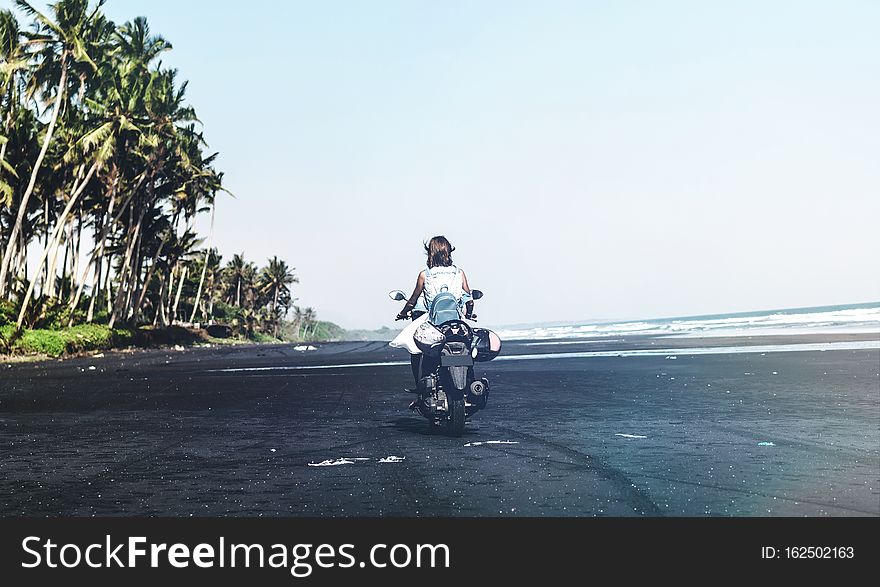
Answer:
(420, 286)
(464, 283)
(469, 306)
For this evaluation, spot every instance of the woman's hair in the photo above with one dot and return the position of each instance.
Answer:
(439, 252)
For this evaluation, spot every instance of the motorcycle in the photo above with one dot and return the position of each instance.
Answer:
(448, 392)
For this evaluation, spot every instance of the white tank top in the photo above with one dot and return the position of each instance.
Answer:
(438, 279)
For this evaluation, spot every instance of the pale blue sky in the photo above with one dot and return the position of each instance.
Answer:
(588, 159)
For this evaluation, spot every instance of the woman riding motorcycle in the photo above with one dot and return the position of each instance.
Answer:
(440, 276)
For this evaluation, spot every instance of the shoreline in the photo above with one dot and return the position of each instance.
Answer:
(683, 341)
(511, 348)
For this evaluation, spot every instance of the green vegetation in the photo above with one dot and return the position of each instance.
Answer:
(65, 341)
(103, 169)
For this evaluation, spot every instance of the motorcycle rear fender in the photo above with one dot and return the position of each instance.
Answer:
(458, 374)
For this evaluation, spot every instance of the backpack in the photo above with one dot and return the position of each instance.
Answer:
(443, 308)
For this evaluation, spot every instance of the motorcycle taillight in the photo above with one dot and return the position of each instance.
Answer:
(455, 348)
(457, 331)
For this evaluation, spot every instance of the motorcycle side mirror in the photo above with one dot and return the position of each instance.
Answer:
(397, 295)
(476, 294)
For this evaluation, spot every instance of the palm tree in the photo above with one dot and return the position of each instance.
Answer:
(56, 234)
(175, 169)
(235, 275)
(62, 41)
(13, 63)
(276, 277)
(249, 282)
(131, 90)
(137, 49)
(309, 321)
(95, 136)
(180, 253)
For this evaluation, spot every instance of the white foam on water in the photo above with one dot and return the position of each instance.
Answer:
(631, 436)
(784, 322)
(392, 459)
(352, 461)
(492, 442)
(333, 463)
(724, 350)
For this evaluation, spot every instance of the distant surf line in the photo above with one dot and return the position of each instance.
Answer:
(846, 318)
(681, 352)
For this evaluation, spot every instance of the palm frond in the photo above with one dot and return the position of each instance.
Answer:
(5, 165)
(79, 52)
(98, 135)
(29, 10)
(6, 194)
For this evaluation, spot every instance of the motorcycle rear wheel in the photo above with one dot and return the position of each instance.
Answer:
(455, 423)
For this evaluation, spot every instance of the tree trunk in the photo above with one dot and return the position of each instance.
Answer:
(98, 253)
(149, 277)
(3, 146)
(69, 252)
(77, 252)
(275, 311)
(126, 277)
(160, 308)
(134, 275)
(134, 281)
(205, 268)
(108, 283)
(67, 243)
(96, 260)
(122, 275)
(21, 258)
(177, 297)
(170, 292)
(55, 244)
(22, 208)
(96, 292)
(45, 239)
(59, 224)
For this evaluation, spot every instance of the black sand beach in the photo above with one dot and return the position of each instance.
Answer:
(166, 433)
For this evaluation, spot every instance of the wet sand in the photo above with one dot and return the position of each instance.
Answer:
(177, 433)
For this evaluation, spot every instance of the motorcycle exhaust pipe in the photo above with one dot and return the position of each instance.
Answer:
(478, 388)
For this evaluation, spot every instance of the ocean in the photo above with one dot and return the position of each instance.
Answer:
(863, 317)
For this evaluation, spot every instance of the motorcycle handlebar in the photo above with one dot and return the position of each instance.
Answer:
(408, 315)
